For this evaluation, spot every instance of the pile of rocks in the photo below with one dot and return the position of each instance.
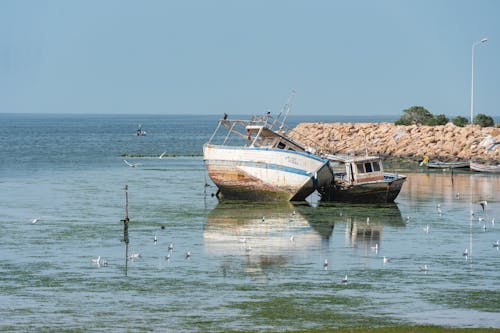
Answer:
(444, 143)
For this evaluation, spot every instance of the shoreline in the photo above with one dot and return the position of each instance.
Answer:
(445, 143)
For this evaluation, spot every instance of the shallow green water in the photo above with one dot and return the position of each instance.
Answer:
(244, 274)
(48, 281)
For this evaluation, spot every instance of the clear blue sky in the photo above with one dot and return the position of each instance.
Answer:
(244, 57)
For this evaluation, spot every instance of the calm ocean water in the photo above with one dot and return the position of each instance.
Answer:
(243, 273)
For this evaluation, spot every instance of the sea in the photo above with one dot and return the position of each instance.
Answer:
(232, 266)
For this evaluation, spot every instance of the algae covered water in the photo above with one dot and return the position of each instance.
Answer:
(252, 267)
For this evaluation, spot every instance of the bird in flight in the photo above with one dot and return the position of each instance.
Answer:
(131, 164)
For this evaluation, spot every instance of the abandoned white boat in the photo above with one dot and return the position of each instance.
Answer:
(255, 162)
(361, 179)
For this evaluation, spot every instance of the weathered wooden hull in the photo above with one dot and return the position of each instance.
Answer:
(264, 174)
(370, 192)
(485, 168)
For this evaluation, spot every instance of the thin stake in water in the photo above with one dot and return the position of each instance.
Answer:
(125, 229)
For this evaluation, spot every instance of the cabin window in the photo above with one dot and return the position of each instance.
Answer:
(360, 168)
(281, 145)
(368, 167)
(376, 166)
(290, 148)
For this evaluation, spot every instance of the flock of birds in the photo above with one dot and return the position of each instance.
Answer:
(481, 219)
(102, 262)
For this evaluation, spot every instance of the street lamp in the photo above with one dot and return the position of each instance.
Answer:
(484, 40)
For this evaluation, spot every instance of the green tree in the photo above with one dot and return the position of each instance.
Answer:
(460, 121)
(440, 119)
(415, 115)
(483, 120)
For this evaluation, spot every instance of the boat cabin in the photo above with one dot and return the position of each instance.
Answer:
(261, 136)
(358, 169)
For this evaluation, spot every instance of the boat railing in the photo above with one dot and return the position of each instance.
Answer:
(236, 127)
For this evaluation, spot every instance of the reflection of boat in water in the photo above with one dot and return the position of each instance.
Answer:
(364, 222)
(258, 230)
(362, 180)
(256, 160)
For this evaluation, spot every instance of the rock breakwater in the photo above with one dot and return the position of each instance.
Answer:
(445, 143)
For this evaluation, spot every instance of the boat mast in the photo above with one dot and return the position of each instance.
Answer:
(285, 110)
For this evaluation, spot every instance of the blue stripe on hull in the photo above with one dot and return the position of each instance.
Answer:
(261, 165)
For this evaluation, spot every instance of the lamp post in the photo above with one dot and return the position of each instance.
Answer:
(484, 40)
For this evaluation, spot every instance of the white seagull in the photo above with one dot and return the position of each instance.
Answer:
(496, 244)
(35, 221)
(99, 261)
(170, 247)
(155, 240)
(325, 264)
(96, 260)
(130, 164)
(188, 255)
(134, 256)
(344, 280)
(162, 154)
(483, 203)
(424, 268)
(386, 260)
(466, 253)
(426, 229)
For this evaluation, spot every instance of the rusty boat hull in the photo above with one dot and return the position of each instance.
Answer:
(381, 191)
(265, 174)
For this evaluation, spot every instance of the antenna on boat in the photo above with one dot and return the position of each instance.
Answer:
(285, 110)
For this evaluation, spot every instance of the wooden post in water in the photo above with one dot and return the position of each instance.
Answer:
(125, 229)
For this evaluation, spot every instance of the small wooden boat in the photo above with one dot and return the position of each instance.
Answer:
(444, 165)
(484, 167)
(447, 165)
(362, 181)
